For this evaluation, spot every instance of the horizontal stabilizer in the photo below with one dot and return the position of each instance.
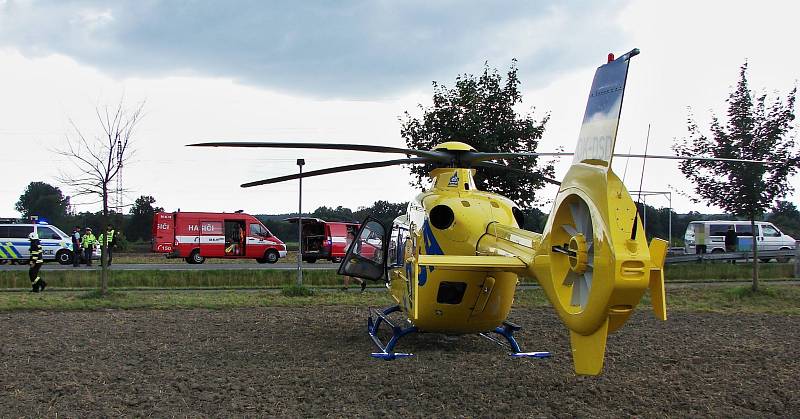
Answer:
(467, 262)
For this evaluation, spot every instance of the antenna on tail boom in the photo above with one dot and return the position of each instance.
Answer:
(641, 181)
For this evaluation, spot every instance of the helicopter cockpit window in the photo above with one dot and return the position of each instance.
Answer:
(365, 258)
(370, 243)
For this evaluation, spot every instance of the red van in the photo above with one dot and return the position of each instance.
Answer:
(324, 239)
(196, 236)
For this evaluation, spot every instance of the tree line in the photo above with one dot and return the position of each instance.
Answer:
(135, 226)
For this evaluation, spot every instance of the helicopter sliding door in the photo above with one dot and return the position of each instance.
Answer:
(366, 255)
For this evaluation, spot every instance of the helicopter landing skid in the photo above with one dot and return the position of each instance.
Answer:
(507, 331)
(387, 351)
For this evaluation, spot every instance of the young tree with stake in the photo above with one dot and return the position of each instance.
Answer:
(756, 130)
(97, 160)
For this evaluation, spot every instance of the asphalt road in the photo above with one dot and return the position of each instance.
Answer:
(180, 267)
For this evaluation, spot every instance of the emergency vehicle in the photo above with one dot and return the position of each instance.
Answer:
(324, 239)
(195, 236)
(56, 245)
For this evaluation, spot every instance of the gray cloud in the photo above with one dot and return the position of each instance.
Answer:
(347, 49)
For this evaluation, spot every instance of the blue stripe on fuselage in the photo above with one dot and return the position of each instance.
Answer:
(431, 248)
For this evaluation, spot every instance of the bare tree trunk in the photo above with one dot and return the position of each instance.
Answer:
(104, 247)
(755, 253)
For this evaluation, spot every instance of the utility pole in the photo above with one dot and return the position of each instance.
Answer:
(120, 160)
(300, 163)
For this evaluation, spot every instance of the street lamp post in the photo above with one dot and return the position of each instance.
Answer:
(300, 163)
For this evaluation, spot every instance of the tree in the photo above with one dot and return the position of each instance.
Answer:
(480, 111)
(755, 130)
(786, 216)
(383, 211)
(97, 161)
(140, 226)
(339, 213)
(43, 200)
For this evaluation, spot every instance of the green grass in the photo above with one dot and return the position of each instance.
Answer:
(783, 300)
(252, 278)
(297, 291)
(266, 278)
(726, 271)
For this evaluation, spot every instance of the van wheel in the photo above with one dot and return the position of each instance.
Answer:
(784, 259)
(336, 260)
(271, 256)
(196, 258)
(3, 261)
(64, 257)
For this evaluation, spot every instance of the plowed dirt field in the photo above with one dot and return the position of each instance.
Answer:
(314, 362)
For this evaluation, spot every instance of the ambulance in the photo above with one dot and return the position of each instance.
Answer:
(196, 236)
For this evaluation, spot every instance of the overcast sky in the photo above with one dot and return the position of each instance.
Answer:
(345, 72)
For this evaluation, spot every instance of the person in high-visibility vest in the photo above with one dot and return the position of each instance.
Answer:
(37, 283)
(108, 239)
(87, 244)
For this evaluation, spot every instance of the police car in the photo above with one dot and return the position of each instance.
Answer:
(15, 245)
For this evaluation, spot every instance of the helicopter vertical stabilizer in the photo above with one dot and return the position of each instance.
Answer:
(601, 119)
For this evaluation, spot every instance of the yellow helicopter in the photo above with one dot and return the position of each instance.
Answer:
(452, 262)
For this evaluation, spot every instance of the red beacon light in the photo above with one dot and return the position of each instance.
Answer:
(610, 57)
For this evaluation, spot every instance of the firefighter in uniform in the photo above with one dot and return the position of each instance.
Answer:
(108, 239)
(87, 244)
(37, 283)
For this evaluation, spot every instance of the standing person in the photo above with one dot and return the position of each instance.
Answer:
(349, 242)
(731, 241)
(76, 246)
(87, 244)
(37, 283)
(108, 238)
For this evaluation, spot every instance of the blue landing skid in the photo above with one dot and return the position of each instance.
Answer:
(387, 351)
(507, 331)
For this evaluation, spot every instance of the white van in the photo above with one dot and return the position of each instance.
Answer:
(15, 245)
(709, 236)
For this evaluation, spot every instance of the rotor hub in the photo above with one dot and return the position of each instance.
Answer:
(578, 253)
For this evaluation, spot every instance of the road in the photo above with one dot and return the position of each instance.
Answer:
(179, 267)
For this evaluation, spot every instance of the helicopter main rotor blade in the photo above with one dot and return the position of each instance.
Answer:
(477, 156)
(338, 169)
(647, 156)
(438, 156)
(490, 165)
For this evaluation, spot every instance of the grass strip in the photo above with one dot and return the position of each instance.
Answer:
(266, 278)
(251, 278)
(780, 299)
